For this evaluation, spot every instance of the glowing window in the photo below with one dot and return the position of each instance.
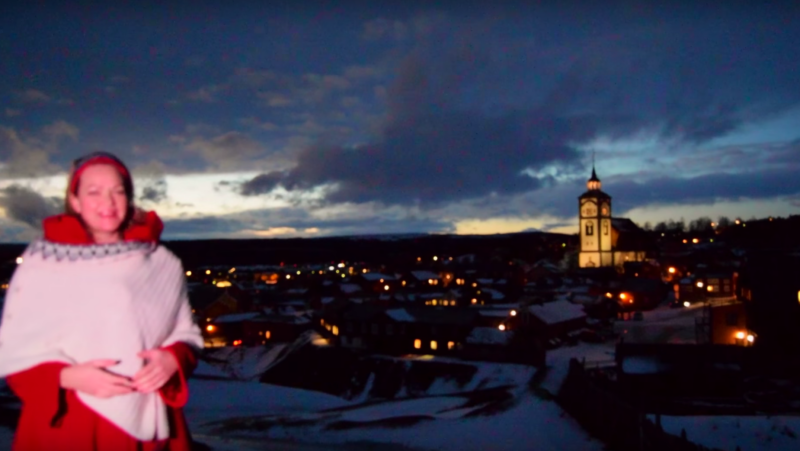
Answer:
(450, 345)
(434, 345)
(417, 344)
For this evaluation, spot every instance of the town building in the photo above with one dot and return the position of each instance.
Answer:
(605, 240)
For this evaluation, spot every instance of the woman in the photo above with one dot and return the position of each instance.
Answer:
(97, 337)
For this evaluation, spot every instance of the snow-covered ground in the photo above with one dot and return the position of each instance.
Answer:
(230, 411)
(508, 416)
(763, 433)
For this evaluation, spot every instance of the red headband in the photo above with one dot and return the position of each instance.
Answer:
(99, 159)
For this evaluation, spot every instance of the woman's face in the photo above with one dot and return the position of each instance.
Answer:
(101, 202)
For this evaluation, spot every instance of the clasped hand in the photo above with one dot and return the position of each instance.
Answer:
(93, 377)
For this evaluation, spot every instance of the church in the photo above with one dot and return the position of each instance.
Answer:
(605, 240)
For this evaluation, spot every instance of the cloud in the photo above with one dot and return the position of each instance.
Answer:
(61, 129)
(150, 183)
(33, 96)
(706, 189)
(119, 79)
(207, 94)
(256, 123)
(27, 206)
(11, 112)
(28, 154)
(228, 151)
(382, 28)
(292, 221)
(195, 61)
(462, 121)
(275, 99)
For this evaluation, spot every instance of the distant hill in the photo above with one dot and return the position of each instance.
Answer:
(377, 249)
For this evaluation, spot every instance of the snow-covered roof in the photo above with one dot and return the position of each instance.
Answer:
(283, 319)
(400, 315)
(487, 335)
(424, 275)
(496, 295)
(372, 276)
(235, 317)
(296, 303)
(494, 313)
(586, 299)
(296, 291)
(327, 299)
(557, 312)
(507, 306)
(349, 288)
(437, 295)
(563, 297)
(485, 281)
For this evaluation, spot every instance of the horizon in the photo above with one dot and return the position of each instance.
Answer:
(685, 230)
(255, 121)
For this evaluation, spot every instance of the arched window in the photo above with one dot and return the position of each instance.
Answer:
(589, 228)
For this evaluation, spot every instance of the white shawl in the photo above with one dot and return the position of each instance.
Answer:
(74, 303)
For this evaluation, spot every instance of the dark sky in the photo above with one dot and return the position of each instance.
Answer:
(273, 119)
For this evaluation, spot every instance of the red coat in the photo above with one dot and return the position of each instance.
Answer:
(54, 419)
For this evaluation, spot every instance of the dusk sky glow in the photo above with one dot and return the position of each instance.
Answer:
(261, 119)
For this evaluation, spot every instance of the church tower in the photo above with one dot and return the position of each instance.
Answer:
(594, 207)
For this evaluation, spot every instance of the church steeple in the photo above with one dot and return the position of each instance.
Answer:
(594, 216)
(593, 183)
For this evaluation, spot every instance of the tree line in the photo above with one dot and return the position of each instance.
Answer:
(702, 224)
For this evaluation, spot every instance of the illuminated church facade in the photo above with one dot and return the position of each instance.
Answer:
(605, 240)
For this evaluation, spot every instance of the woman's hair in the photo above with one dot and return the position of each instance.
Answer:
(91, 159)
